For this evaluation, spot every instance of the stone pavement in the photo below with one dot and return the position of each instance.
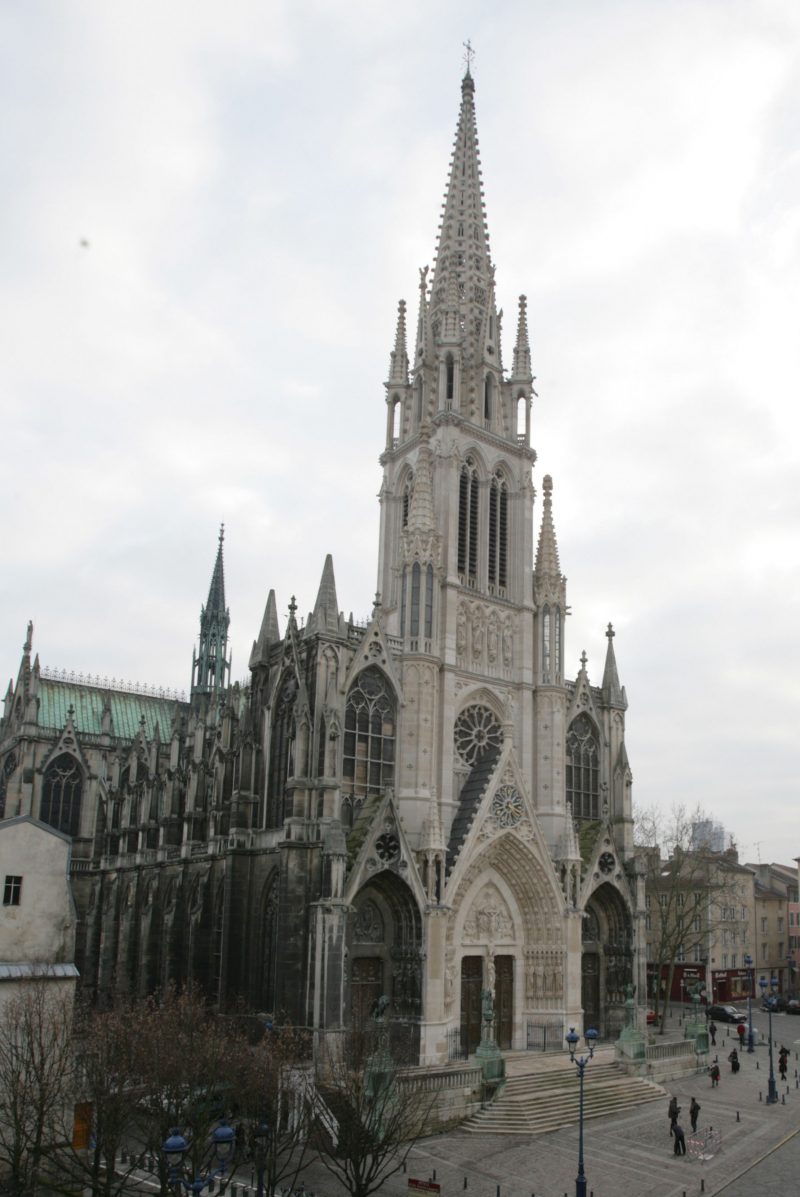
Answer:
(630, 1154)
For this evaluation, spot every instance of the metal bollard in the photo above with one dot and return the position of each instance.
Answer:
(702, 1184)
(756, 1064)
(498, 1191)
(783, 1095)
(760, 1096)
(738, 1119)
(465, 1182)
(434, 1174)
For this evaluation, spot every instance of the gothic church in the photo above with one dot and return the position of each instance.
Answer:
(423, 807)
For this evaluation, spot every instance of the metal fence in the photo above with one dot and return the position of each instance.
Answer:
(456, 1044)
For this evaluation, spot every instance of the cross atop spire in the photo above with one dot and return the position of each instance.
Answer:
(469, 54)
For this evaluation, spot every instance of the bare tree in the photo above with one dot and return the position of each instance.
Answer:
(368, 1115)
(36, 1081)
(690, 890)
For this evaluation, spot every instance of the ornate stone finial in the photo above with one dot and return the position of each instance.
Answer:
(376, 604)
(469, 54)
(221, 533)
(610, 632)
(70, 711)
(292, 607)
(26, 648)
(584, 659)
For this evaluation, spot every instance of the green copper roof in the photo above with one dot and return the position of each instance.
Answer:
(55, 699)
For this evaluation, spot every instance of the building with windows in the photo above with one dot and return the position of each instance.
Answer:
(776, 894)
(426, 806)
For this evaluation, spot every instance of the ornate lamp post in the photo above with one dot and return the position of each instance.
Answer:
(223, 1143)
(580, 1064)
(772, 1092)
(260, 1148)
(748, 963)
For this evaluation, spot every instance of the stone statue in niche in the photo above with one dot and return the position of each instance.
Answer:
(461, 632)
(508, 642)
(477, 635)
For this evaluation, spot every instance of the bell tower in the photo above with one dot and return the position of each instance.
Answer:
(455, 570)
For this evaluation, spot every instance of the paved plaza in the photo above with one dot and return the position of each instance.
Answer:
(631, 1154)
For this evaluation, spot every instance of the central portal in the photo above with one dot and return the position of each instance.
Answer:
(471, 985)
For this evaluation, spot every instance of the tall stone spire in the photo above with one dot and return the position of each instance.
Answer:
(547, 567)
(613, 693)
(211, 667)
(398, 366)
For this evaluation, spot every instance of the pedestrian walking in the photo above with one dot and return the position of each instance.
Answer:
(713, 1072)
(712, 1030)
(783, 1061)
(741, 1031)
(694, 1110)
(674, 1111)
(680, 1140)
(734, 1061)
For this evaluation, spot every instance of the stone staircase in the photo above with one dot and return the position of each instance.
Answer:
(541, 1094)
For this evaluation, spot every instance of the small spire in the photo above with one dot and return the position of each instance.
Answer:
(269, 633)
(325, 617)
(26, 648)
(584, 661)
(376, 605)
(398, 365)
(547, 563)
(216, 591)
(420, 512)
(211, 668)
(521, 362)
(613, 694)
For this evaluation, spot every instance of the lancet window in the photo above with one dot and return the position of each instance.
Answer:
(61, 795)
(498, 532)
(369, 736)
(408, 490)
(583, 775)
(281, 746)
(551, 643)
(468, 521)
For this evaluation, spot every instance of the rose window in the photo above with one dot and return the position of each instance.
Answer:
(507, 806)
(477, 732)
(387, 847)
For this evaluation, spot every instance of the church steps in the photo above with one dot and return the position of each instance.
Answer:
(548, 1099)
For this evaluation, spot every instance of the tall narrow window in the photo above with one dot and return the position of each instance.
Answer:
(12, 890)
(468, 520)
(583, 782)
(429, 602)
(407, 492)
(498, 532)
(396, 414)
(369, 731)
(61, 795)
(546, 643)
(280, 751)
(415, 581)
(420, 391)
(487, 399)
(403, 602)
(557, 642)
(450, 377)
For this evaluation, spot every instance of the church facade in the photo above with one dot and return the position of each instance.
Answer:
(424, 807)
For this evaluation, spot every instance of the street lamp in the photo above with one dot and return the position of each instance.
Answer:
(772, 1093)
(580, 1064)
(748, 963)
(260, 1145)
(223, 1142)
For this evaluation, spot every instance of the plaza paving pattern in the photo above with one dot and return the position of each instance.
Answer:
(631, 1154)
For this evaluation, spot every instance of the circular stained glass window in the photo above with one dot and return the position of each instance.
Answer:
(507, 806)
(477, 732)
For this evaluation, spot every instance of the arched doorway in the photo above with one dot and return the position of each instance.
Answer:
(385, 951)
(606, 960)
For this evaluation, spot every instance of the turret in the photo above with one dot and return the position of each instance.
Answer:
(210, 666)
(550, 596)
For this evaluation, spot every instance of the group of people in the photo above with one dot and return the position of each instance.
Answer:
(675, 1128)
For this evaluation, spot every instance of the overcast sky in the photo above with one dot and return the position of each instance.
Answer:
(258, 184)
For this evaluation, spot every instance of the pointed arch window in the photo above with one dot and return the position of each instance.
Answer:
(488, 399)
(498, 532)
(468, 521)
(408, 490)
(420, 392)
(557, 643)
(583, 778)
(546, 643)
(6, 770)
(450, 378)
(416, 578)
(61, 795)
(429, 601)
(369, 736)
(281, 746)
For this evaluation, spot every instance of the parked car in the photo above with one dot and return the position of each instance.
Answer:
(776, 1004)
(793, 1006)
(651, 1018)
(725, 1014)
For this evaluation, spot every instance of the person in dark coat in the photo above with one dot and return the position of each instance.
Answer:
(734, 1061)
(712, 1031)
(694, 1110)
(674, 1111)
(783, 1061)
(680, 1139)
(713, 1072)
